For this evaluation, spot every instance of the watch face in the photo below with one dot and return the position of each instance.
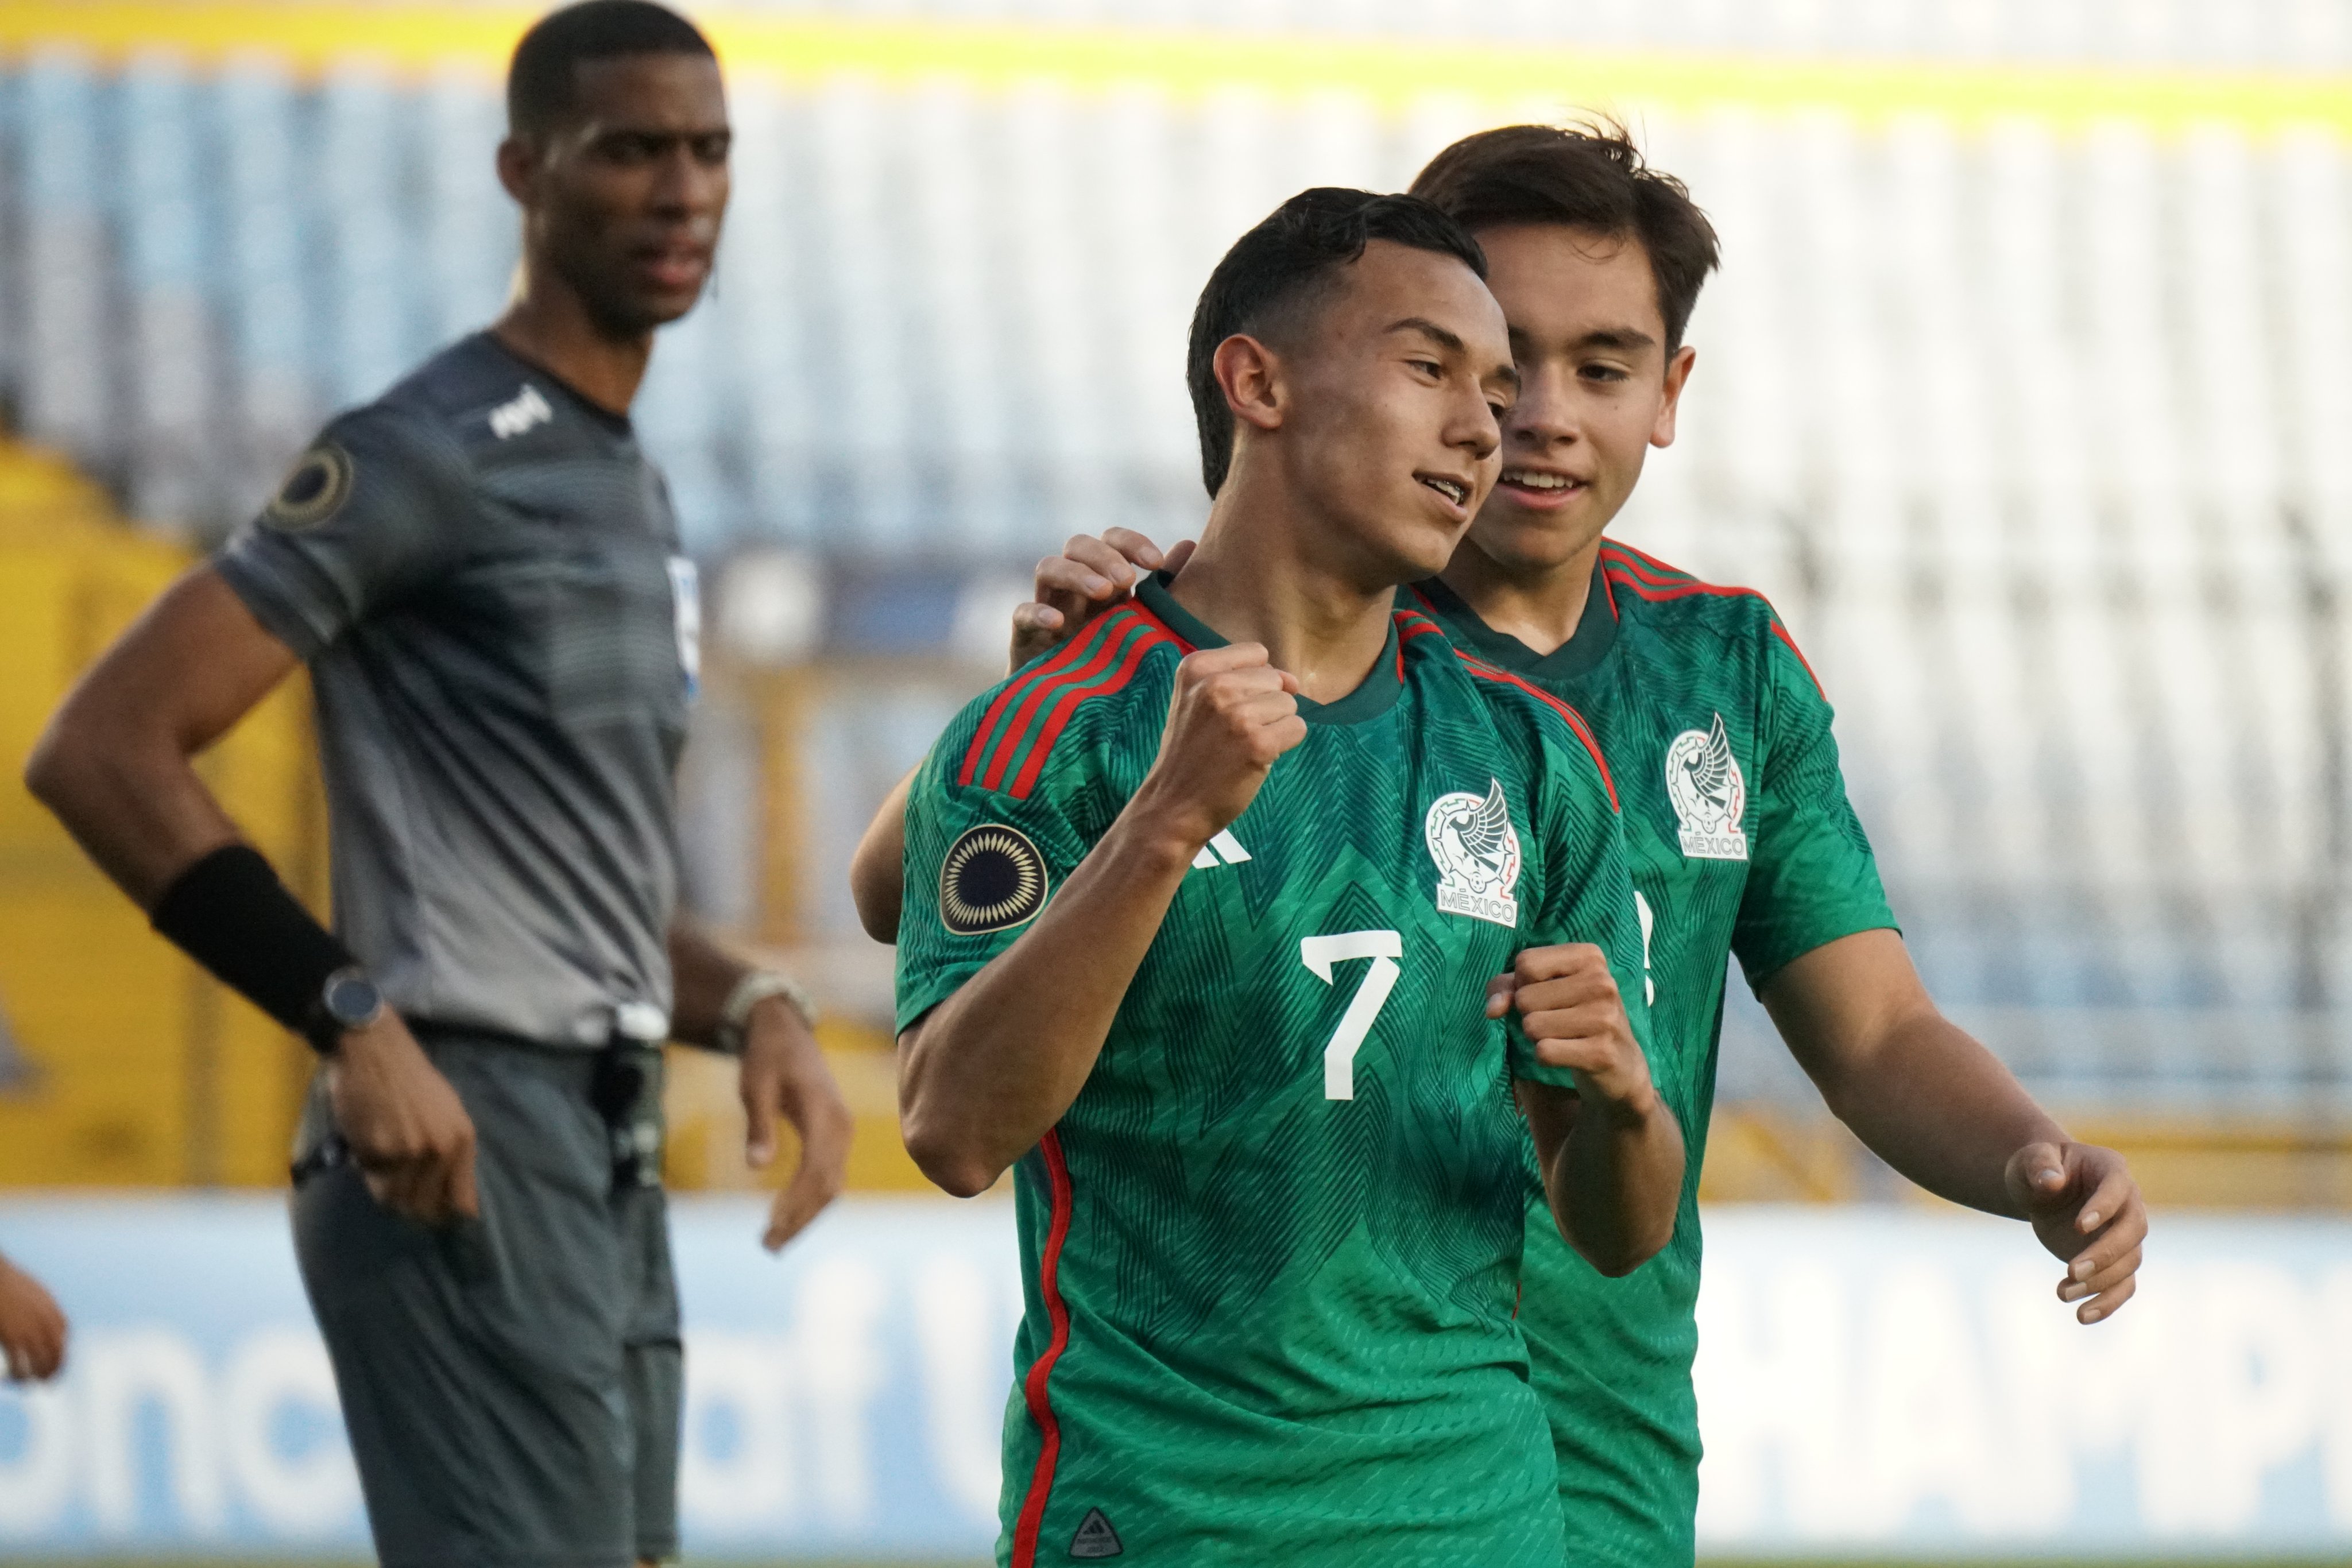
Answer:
(352, 999)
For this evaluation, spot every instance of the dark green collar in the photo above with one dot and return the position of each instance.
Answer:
(1378, 694)
(1596, 632)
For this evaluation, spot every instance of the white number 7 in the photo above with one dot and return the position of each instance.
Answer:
(1319, 954)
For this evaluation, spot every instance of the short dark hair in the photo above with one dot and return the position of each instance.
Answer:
(1279, 272)
(543, 83)
(1589, 177)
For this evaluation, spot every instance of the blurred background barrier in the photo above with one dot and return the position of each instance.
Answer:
(1873, 1381)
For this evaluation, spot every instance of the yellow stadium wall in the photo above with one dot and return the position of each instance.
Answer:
(145, 1071)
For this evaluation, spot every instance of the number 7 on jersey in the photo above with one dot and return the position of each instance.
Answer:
(1319, 954)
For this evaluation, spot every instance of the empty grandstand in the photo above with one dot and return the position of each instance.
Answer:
(2023, 392)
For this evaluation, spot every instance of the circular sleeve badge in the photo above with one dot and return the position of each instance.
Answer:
(317, 486)
(992, 880)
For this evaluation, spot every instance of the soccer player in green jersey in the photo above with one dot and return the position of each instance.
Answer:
(1197, 916)
(1736, 814)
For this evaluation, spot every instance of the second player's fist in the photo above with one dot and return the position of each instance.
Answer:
(1230, 714)
(1569, 1003)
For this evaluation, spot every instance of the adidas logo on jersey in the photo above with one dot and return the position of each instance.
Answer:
(1096, 1538)
(1709, 795)
(1477, 854)
(519, 412)
(1223, 850)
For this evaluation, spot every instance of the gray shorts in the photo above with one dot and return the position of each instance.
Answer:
(512, 1384)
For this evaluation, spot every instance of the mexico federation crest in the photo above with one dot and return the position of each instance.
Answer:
(1477, 854)
(992, 880)
(1709, 796)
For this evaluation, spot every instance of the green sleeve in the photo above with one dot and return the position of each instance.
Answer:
(1586, 894)
(1812, 877)
(980, 863)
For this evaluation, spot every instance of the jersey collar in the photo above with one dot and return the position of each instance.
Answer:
(1375, 696)
(1596, 632)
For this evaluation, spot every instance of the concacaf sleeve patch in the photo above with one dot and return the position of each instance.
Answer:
(315, 489)
(992, 880)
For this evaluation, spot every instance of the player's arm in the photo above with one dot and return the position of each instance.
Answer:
(1090, 576)
(1816, 936)
(726, 1004)
(1610, 1148)
(362, 519)
(117, 764)
(987, 1073)
(1928, 1099)
(878, 867)
(32, 1330)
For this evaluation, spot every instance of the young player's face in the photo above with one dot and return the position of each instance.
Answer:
(1597, 389)
(1391, 432)
(630, 190)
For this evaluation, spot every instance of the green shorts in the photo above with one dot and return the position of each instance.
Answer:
(512, 1384)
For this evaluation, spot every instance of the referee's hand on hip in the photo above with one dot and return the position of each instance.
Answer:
(408, 1132)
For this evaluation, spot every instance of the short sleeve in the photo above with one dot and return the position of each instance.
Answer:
(373, 508)
(981, 863)
(1587, 893)
(1812, 877)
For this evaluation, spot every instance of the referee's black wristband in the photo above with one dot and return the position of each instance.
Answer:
(230, 913)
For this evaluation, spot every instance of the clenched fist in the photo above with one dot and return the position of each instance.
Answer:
(1568, 1002)
(1232, 714)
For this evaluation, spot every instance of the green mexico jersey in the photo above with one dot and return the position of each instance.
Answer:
(1271, 1251)
(1741, 842)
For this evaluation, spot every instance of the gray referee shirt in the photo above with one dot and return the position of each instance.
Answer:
(483, 574)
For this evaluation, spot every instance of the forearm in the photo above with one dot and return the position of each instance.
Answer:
(134, 804)
(703, 976)
(878, 870)
(1614, 1174)
(1933, 1103)
(989, 1072)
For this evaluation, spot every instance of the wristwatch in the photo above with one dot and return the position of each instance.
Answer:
(751, 990)
(347, 1001)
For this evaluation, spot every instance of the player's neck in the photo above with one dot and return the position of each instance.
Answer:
(549, 324)
(1251, 583)
(1541, 606)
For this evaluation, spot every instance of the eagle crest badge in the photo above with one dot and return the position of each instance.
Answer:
(1477, 854)
(1709, 796)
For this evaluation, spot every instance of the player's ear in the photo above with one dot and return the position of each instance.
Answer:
(519, 168)
(1250, 374)
(1678, 370)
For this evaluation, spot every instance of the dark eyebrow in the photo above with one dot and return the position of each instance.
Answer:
(1428, 329)
(1627, 338)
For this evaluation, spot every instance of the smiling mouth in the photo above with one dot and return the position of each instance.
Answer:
(1549, 484)
(1452, 490)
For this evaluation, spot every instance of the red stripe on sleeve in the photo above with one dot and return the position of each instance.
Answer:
(1791, 643)
(1645, 564)
(984, 738)
(1041, 693)
(1575, 719)
(1065, 703)
(1033, 1388)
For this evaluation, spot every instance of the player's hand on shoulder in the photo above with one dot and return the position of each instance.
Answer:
(32, 1329)
(1230, 714)
(408, 1130)
(2086, 1208)
(1091, 575)
(1568, 1001)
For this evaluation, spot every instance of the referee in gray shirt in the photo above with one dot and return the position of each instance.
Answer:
(483, 574)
